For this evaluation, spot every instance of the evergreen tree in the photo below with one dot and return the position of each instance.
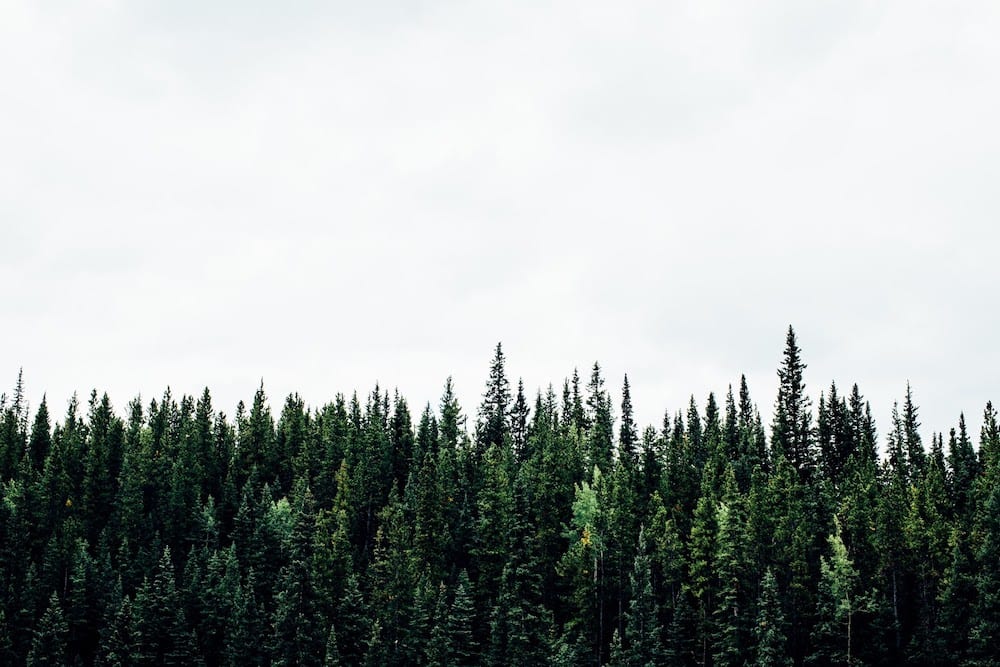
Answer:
(989, 441)
(118, 646)
(600, 434)
(461, 647)
(730, 622)
(701, 574)
(681, 647)
(552, 535)
(963, 469)
(354, 624)
(628, 436)
(915, 455)
(958, 594)
(839, 602)
(769, 635)
(159, 625)
(40, 441)
(394, 581)
(49, 644)
(519, 424)
(493, 423)
(986, 624)
(642, 626)
(791, 432)
(331, 654)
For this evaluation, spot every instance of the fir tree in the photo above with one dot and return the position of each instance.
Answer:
(839, 602)
(642, 626)
(790, 432)
(769, 635)
(628, 436)
(493, 423)
(49, 644)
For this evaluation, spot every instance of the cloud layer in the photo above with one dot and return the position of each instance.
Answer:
(338, 193)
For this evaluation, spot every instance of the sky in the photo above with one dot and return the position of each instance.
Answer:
(326, 195)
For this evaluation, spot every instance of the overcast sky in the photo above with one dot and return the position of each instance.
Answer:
(330, 194)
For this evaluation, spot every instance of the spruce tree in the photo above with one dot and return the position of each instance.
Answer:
(628, 436)
(839, 601)
(642, 627)
(770, 641)
(519, 424)
(985, 626)
(158, 619)
(791, 432)
(600, 434)
(493, 423)
(963, 469)
(49, 644)
(730, 622)
(462, 649)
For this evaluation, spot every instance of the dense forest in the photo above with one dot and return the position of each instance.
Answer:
(538, 530)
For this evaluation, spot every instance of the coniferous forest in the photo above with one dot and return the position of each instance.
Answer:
(545, 529)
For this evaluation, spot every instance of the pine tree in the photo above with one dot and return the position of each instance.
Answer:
(461, 645)
(986, 624)
(752, 452)
(40, 441)
(682, 649)
(915, 455)
(331, 654)
(158, 619)
(581, 568)
(989, 441)
(701, 565)
(791, 432)
(730, 622)
(600, 434)
(493, 423)
(642, 625)
(394, 580)
(770, 641)
(437, 650)
(628, 436)
(49, 644)
(118, 646)
(492, 545)
(963, 469)
(958, 595)
(298, 633)
(6, 641)
(353, 621)
(519, 424)
(13, 430)
(839, 601)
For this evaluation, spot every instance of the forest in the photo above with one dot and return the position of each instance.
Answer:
(535, 530)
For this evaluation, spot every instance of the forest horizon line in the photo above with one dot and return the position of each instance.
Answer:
(542, 530)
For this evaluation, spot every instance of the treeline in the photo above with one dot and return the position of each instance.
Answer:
(547, 531)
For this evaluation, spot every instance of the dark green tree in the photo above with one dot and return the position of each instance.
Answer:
(791, 433)
(49, 644)
(770, 641)
(493, 422)
(642, 626)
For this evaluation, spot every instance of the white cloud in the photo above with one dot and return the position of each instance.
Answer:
(338, 193)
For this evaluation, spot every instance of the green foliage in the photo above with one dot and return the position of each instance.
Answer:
(840, 600)
(352, 534)
(49, 644)
(770, 641)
